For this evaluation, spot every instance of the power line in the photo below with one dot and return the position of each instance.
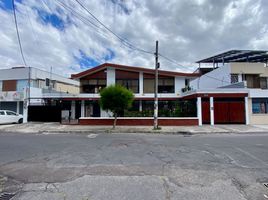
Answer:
(173, 61)
(123, 40)
(81, 17)
(18, 34)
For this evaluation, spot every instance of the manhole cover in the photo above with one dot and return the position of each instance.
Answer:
(6, 196)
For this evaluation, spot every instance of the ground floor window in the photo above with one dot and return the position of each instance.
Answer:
(259, 105)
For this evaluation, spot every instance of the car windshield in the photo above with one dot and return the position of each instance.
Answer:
(2, 113)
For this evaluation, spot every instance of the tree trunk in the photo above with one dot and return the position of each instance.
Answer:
(115, 119)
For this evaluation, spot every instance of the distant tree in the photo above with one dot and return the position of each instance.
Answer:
(116, 98)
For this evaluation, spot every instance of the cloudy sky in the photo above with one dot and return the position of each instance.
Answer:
(63, 35)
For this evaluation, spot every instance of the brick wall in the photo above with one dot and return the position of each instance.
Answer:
(140, 121)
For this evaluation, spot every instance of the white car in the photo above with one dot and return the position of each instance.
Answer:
(7, 117)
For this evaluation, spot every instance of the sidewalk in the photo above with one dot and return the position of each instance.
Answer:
(50, 128)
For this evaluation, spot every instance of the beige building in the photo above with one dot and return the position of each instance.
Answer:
(240, 71)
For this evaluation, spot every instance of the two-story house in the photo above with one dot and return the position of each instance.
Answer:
(172, 109)
(235, 90)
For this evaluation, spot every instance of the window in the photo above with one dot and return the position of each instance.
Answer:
(10, 113)
(93, 85)
(132, 85)
(253, 80)
(148, 86)
(259, 105)
(187, 82)
(165, 85)
(2, 113)
(234, 78)
(263, 82)
(1, 85)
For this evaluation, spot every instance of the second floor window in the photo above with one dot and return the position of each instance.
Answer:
(131, 84)
(93, 85)
(165, 85)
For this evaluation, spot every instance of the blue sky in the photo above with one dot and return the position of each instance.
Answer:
(54, 35)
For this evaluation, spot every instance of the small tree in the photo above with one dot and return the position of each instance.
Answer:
(116, 98)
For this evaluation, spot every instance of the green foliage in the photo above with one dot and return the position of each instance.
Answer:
(116, 98)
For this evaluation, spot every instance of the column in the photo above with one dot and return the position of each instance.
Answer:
(73, 110)
(199, 111)
(240, 78)
(211, 103)
(83, 108)
(25, 111)
(141, 83)
(246, 111)
(110, 76)
(18, 107)
(140, 105)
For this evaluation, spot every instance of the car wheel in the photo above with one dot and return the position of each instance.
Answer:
(20, 121)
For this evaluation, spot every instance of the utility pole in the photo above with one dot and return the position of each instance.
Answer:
(156, 87)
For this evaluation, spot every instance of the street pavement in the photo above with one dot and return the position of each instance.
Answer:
(134, 166)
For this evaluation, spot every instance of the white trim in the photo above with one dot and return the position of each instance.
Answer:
(217, 91)
(138, 118)
(83, 108)
(211, 105)
(199, 110)
(246, 111)
(141, 83)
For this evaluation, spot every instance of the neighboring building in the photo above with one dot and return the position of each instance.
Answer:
(15, 91)
(236, 91)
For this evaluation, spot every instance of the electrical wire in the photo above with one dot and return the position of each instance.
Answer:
(123, 40)
(17, 31)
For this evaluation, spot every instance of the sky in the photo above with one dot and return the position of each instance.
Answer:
(62, 35)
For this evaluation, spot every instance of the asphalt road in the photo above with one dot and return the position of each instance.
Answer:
(134, 166)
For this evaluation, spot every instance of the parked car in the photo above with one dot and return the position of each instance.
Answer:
(7, 117)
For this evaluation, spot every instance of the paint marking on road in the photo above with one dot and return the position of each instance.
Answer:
(92, 136)
(251, 155)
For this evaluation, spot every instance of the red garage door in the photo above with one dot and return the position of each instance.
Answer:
(205, 111)
(225, 111)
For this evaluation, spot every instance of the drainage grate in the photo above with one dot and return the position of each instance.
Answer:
(6, 196)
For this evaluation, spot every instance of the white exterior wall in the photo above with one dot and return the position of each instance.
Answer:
(179, 84)
(214, 79)
(14, 74)
(40, 74)
(110, 73)
(141, 83)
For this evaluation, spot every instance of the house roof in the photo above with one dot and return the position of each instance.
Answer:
(238, 56)
(131, 68)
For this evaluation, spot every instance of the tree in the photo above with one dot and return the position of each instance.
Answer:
(116, 98)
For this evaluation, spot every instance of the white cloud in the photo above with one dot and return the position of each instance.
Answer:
(187, 30)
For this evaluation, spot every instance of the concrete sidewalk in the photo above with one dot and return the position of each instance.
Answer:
(50, 128)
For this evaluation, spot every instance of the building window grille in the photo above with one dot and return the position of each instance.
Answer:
(234, 78)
